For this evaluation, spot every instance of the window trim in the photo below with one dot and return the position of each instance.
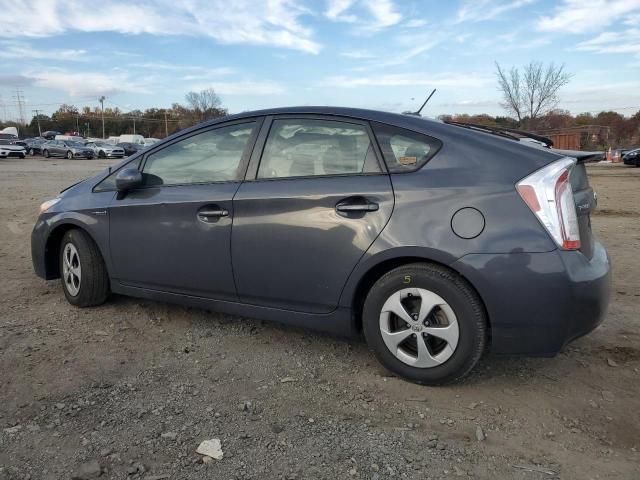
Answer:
(258, 151)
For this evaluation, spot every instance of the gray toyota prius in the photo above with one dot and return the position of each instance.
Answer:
(437, 241)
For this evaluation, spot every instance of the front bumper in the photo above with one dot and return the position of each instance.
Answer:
(39, 236)
(12, 153)
(539, 302)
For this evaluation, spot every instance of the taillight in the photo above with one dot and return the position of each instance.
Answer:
(548, 194)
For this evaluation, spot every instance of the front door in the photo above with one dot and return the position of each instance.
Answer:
(174, 233)
(316, 202)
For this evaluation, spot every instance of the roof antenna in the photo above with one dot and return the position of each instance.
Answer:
(417, 114)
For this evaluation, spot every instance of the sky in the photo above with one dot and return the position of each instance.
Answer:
(380, 54)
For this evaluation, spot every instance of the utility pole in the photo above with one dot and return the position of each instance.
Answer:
(166, 125)
(19, 98)
(134, 125)
(102, 99)
(87, 129)
(37, 112)
(4, 109)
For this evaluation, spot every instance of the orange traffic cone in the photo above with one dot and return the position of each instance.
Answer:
(609, 155)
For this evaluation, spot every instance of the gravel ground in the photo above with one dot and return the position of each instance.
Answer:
(131, 388)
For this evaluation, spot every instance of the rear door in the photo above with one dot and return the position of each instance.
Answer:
(315, 198)
(173, 234)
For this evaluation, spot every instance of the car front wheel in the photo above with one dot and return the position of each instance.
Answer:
(84, 277)
(32, 152)
(425, 323)
(69, 154)
(46, 153)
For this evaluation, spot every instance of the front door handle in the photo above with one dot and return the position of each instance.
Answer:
(209, 215)
(365, 207)
(362, 205)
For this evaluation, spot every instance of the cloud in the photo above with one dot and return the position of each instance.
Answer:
(369, 15)
(243, 87)
(12, 49)
(429, 79)
(481, 10)
(358, 54)
(84, 84)
(625, 41)
(15, 80)
(274, 23)
(580, 16)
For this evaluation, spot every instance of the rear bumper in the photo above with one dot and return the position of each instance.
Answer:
(539, 302)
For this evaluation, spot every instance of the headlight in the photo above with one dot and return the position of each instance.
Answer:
(48, 204)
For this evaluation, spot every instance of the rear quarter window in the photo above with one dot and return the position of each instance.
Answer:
(405, 150)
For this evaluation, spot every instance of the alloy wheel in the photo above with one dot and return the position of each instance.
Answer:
(419, 327)
(71, 269)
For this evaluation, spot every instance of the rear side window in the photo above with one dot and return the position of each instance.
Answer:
(405, 150)
(312, 147)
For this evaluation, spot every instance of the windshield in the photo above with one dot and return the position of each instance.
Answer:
(75, 144)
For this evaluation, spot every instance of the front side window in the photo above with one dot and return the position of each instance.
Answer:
(211, 156)
(311, 147)
(405, 150)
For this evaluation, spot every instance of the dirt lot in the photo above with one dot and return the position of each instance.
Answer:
(130, 388)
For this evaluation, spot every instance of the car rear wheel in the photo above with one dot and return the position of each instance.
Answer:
(69, 155)
(425, 323)
(84, 277)
(46, 153)
(101, 154)
(32, 152)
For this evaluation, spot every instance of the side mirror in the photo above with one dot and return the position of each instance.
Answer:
(127, 179)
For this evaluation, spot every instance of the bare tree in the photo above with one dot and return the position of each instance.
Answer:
(533, 92)
(205, 103)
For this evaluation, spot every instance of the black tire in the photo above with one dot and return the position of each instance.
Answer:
(32, 152)
(23, 155)
(94, 280)
(45, 153)
(101, 154)
(69, 155)
(463, 300)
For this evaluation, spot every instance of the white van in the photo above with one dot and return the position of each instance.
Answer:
(139, 139)
(71, 138)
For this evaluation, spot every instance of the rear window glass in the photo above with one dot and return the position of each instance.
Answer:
(405, 150)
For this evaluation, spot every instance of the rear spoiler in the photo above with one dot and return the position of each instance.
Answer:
(581, 156)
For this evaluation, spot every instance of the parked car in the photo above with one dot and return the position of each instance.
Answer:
(50, 135)
(34, 146)
(9, 149)
(435, 240)
(70, 138)
(632, 157)
(66, 148)
(131, 148)
(105, 150)
(131, 139)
